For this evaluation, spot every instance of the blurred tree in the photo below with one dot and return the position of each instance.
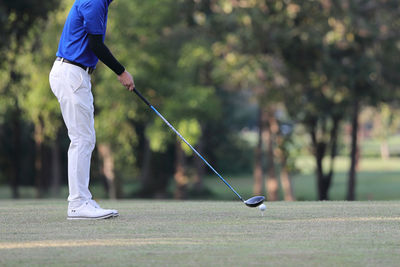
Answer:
(284, 152)
(208, 66)
(40, 104)
(194, 89)
(313, 97)
(16, 20)
(387, 53)
(17, 17)
(251, 63)
(134, 36)
(358, 46)
(334, 64)
(169, 68)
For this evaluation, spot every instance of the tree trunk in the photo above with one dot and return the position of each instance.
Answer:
(198, 185)
(286, 181)
(378, 124)
(272, 184)
(320, 148)
(283, 154)
(323, 186)
(385, 152)
(333, 152)
(319, 152)
(354, 152)
(39, 153)
(56, 174)
(258, 168)
(145, 177)
(106, 154)
(15, 165)
(284, 175)
(181, 180)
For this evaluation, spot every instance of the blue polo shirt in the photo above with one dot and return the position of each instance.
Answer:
(86, 17)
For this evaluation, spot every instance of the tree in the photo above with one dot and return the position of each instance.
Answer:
(313, 97)
(358, 47)
(162, 52)
(251, 64)
(17, 19)
(334, 53)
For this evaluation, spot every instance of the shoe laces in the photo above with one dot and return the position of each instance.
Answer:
(94, 203)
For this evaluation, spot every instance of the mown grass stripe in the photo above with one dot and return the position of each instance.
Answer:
(98, 242)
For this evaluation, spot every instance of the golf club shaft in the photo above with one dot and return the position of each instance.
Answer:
(186, 142)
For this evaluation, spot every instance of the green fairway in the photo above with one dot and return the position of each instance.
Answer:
(207, 233)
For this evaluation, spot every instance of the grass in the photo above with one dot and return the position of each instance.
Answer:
(203, 233)
(342, 164)
(377, 179)
(371, 146)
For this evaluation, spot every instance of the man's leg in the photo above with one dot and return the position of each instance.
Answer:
(72, 87)
(78, 114)
(73, 91)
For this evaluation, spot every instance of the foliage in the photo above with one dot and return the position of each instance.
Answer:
(206, 66)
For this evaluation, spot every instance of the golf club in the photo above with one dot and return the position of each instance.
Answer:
(251, 202)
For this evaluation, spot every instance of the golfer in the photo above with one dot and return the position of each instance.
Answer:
(81, 46)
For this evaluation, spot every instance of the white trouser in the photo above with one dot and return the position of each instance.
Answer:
(71, 85)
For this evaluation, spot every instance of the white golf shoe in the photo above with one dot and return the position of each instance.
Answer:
(94, 204)
(88, 212)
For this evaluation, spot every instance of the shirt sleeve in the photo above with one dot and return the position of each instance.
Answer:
(102, 52)
(94, 16)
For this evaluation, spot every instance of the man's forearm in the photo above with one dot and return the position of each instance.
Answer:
(104, 54)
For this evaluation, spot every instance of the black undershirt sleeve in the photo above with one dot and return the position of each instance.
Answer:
(104, 54)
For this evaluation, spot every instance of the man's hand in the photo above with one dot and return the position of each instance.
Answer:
(126, 80)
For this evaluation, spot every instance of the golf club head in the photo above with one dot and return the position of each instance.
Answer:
(254, 201)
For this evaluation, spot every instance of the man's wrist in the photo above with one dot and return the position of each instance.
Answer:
(120, 71)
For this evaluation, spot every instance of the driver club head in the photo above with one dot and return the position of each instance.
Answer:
(254, 201)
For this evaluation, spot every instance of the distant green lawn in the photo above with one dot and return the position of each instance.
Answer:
(202, 233)
(371, 147)
(376, 180)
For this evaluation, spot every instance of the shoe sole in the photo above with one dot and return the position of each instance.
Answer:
(91, 218)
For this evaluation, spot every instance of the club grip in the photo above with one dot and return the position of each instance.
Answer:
(141, 97)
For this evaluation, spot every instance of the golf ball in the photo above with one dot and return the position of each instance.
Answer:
(262, 207)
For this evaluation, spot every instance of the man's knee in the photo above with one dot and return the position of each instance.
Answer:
(85, 143)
